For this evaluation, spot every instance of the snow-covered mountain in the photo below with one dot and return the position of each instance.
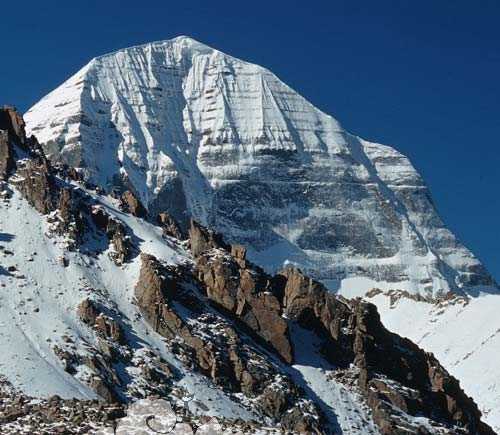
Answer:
(198, 133)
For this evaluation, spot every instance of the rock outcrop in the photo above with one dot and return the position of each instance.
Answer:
(170, 226)
(215, 348)
(7, 162)
(34, 180)
(13, 123)
(396, 377)
(221, 316)
(393, 373)
(130, 204)
(243, 290)
(115, 232)
(202, 239)
(90, 313)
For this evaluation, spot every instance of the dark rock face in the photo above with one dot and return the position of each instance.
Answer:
(34, 175)
(170, 226)
(247, 293)
(215, 348)
(130, 204)
(13, 123)
(36, 184)
(12, 137)
(7, 162)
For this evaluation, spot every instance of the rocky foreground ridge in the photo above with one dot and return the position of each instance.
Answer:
(217, 315)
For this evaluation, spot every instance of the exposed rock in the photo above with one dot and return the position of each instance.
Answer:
(35, 182)
(354, 334)
(242, 289)
(88, 311)
(102, 388)
(7, 162)
(170, 226)
(215, 349)
(21, 414)
(203, 239)
(248, 294)
(108, 327)
(70, 215)
(130, 204)
(116, 233)
(393, 374)
(12, 122)
(121, 244)
(100, 217)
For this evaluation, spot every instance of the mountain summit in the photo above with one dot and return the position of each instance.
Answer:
(202, 134)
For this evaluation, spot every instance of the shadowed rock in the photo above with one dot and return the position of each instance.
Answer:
(130, 204)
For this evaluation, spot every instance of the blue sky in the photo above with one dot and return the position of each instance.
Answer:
(421, 76)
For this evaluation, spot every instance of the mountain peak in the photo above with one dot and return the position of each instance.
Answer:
(200, 134)
(181, 41)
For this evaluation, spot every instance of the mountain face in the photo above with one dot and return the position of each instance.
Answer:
(200, 134)
(113, 325)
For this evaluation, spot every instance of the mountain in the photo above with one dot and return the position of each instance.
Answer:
(196, 133)
(113, 324)
(199, 133)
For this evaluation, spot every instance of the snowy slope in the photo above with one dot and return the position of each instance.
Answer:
(200, 133)
(27, 358)
(38, 311)
(463, 334)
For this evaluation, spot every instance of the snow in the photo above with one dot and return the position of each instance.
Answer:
(465, 337)
(193, 129)
(314, 374)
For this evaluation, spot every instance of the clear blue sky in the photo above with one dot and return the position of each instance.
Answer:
(421, 76)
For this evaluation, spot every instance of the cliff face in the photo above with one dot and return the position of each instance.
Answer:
(200, 134)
